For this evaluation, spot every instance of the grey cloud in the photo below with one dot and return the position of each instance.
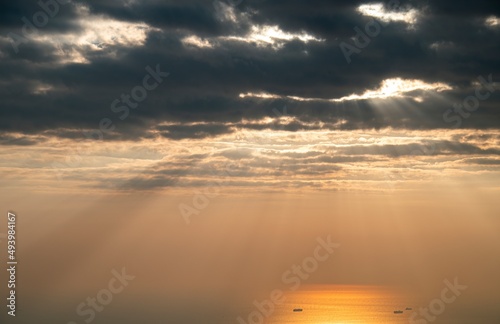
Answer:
(204, 84)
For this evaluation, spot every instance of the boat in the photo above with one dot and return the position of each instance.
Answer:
(398, 312)
(297, 309)
(408, 308)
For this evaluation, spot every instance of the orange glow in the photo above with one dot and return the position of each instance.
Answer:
(343, 304)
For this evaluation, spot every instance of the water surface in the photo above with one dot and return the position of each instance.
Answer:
(343, 304)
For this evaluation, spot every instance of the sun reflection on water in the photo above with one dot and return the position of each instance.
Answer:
(329, 304)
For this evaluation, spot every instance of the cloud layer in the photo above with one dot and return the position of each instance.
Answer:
(266, 68)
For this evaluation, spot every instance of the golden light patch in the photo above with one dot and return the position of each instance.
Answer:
(377, 10)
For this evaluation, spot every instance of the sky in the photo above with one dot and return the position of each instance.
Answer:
(206, 145)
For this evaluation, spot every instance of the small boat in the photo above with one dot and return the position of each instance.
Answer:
(297, 309)
(408, 308)
(398, 312)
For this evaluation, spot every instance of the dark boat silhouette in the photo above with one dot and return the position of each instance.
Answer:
(297, 309)
(409, 308)
(398, 312)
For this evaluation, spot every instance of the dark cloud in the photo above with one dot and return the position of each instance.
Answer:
(40, 93)
(483, 161)
(420, 149)
(193, 131)
(8, 139)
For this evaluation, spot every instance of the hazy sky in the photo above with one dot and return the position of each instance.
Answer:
(207, 145)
